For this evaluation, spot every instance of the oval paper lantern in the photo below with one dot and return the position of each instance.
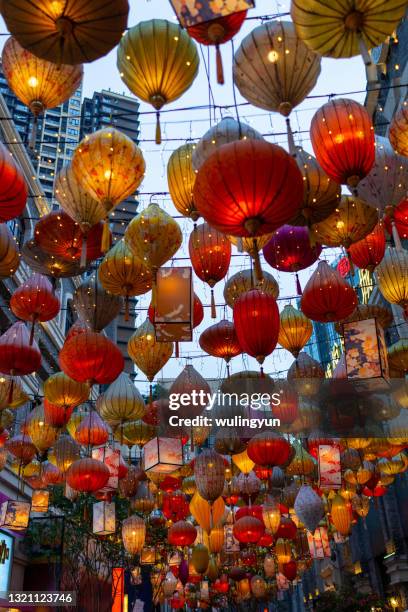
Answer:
(181, 178)
(87, 475)
(368, 252)
(209, 473)
(244, 281)
(18, 357)
(309, 507)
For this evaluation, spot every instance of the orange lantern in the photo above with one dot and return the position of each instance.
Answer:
(13, 190)
(92, 431)
(87, 475)
(220, 340)
(368, 252)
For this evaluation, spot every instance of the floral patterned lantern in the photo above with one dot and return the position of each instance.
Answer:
(368, 252)
(103, 518)
(15, 515)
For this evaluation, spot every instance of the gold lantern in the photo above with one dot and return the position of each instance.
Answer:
(121, 402)
(181, 178)
(271, 515)
(243, 462)
(40, 500)
(103, 518)
(133, 534)
(398, 355)
(41, 433)
(74, 422)
(94, 305)
(302, 463)
(109, 166)
(9, 255)
(295, 330)
(207, 515)
(341, 515)
(399, 131)
(163, 455)
(244, 281)
(39, 84)
(216, 539)
(15, 515)
(158, 61)
(283, 550)
(361, 505)
(392, 276)
(173, 310)
(60, 390)
(135, 432)
(10, 385)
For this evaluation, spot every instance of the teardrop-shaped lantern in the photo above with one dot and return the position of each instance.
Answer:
(244, 281)
(210, 254)
(192, 384)
(220, 340)
(342, 137)
(121, 402)
(76, 202)
(327, 296)
(392, 276)
(92, 431)
(147, 354)
(209, 473)
(368, 252)
(341, 515)
(61, 390)
(306, 374)
(141, 64)
(295, 330)
(41, 433)
(13, 190)
(21, 446)
(95, 305)
(18, 356)
(181, 178)
(9, 255)
(301, 464)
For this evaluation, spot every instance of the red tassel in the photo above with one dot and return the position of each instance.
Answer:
(298, 285)
(177, 350)
(220, 69)
(213, 309)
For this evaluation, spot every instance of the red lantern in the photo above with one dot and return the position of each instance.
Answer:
(175, 506)
(51, 474)
(255, 511)
(221, 585)
(170, 483)
(287, 529)
(182, 533)
(87, 475)
(91, 357)
(92, 430)
(210, 254)
(262, 472)
(123, 468)
(35, 300)
(256, 318)
(13, 188)
(342, 137)
(287, 409)
(248, 530)
(398, 216)
(268, 448)
(266, 540)
(327, 296)
(57, 416)
(17, 356)
(217, 32)
(220, 340)
(22, 447)
(368, 252)
(289, 570)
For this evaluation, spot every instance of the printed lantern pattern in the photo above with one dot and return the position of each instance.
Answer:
(173, 312)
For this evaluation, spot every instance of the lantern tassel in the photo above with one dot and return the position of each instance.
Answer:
(351, 263)
(291, 140)
(105, 246)
(220, 69)
(262, 373)
(395, 235)
(127, 308)
(177, 350)
(32, 330)
(158, 129)
(213, 309)
(83, 252)
(298, 285)
(33, 135)
(257, 264)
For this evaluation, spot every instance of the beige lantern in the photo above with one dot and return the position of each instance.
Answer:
(244, 281)
(94, 305)
(121, 402)
(133, 534)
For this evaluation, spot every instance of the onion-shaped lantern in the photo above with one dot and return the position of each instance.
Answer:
(368, 252)
(248, 530)
(268, 448)
(91, 357)
(341, 515)
(22, 447)
(13, 190)
(9, 255)
(121, 402)
(182, 533)
(190, 382)
(39, 84)
(87, 475)
(92, 431)
(61, 390)
(66, 452)
(181, 178)
(271, 515)
(35, 300)
(133, 534)
(327, 296)
(41, 433)
(210, 254)
(295, 330)
(49, 265)
(256, 319)
(109, 166)
(95, 305)
(244, 281)
(392, 276)
(220, 340)
(398, 130)
(306, 373)
(18, 356)
(141, 66)
(342, 136)
(209, 474)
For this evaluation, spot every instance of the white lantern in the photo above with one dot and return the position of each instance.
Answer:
(163, 455)
(104, 518)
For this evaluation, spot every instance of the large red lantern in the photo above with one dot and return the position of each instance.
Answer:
(13, 188)
(182, 533)
(398, 217)
(92, 430)
(91, 357)
(22, 447)
(87, 475)
(35, 300)
(368, 252)
(327, 296)
(268, 448)
(287, 529)
(220, 340)
(175, 506)
(342, 136)
(248, 530)
(256, 319)
(289, 570)
(17, 356)
(57, 416)
(210, 254)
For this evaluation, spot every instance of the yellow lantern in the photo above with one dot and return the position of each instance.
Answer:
(361, 505)
(207, 515)
(42, 435)
(158, 61)
(243, 462)
(302, 463)
(40, 500)
(394, 465)
(188, 485)
(109, 167)
(121, 402)
(392, 276)
(200, 558)
(398, 355)
(271, 515)
(133, 534)
(216, 539)
(66, 451)
(295, 330)
(181, 178)
(10, 385)
(74, 422)
(283, 551)
(62, 391)
(244, 281)
(350, 222)
(9, 255)
(340, 515)
(39, 84)
(135, 432)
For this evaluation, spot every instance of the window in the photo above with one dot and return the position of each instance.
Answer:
(72, 132)
(73, 121)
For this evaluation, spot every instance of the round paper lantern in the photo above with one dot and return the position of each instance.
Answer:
(87, 475)
(38, 83)
(51, 474)
(244, 281)
(95, 305)
(268, 448)
(66, 452)
(339, 30)
(209, 473)
(42, 434)
(295, 330)
(210, 254)
(392, 276)
(91, 357)
(398, 130)
(368, 252)
(327, 296)
(226, 131)
(142, 69)
(273, 69)
(256, 319)
(62, 391)
(220, 340)
(248, 530)
(35, 300)
(182, 533)
(9, 255)
(351, 221)
(309, 507)
(340, 515)
(121, 402)
(18, 356)
(13, 190)
(133, 534)
(181, 178)
(22, 447)
(342, 137)
(147, 354)
(49, 265)
(92, 431)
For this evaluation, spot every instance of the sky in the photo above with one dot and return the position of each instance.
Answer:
(337, 76)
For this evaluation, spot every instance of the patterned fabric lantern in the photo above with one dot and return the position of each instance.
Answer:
(35, 300)
(133, 534)
(9, 255)
(91, 357)
(398, 130)
(87, 475)
(182, 533)
(40, 500)
(109, 167)
(340, 515)
(181, 178)
(309, 507)
(352, 220)
(147, 354)
(268, 448)
(273, 69)
(368, 252)
(49, 265)
(41, 433)
(15, 515)
(13, 191)
(121, 402)
(220, 340)
(256, 319)
(18, 356)
(92, 431)
(342, 137)
(295, 330)
(62, 391)
(95, 305)
(248, 530)
(244, 281)
(209, 473)
(39, 84)
(392, 277)
(140, 64)
(327, 296)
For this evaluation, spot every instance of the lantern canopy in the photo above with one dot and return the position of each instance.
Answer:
(15, 515)
(163, 455)
(103, 518)
(173, 312)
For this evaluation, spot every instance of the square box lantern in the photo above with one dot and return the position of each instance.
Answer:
(103, 518)
(366, 355)
(148, 555)
(193, 12)
(173, 313)
(15, 515)
(40, 500)
(111, 458)
(163, 455)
